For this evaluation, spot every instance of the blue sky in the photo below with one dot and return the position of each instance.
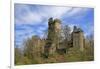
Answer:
(32, 19)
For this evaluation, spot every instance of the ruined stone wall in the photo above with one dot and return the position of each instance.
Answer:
(81, 41)
(78, 39)
(53, 39)
(53, 36)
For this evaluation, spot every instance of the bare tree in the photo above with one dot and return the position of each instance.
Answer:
(30, 47)
(66, 37)
(67, 32)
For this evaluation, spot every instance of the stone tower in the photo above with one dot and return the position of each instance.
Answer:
(52, 41)
(57, 29)
(78, 38)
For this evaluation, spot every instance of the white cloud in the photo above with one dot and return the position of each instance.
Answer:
(31, 18)
(27, 16)
(55, 12)
(74, 11)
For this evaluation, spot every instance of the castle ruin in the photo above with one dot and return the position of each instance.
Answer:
(52, 44)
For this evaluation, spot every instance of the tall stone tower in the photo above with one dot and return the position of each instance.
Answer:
(57, 29)
(52, 41)
(78, 38)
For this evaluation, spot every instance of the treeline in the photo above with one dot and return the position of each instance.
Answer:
(32, 52)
